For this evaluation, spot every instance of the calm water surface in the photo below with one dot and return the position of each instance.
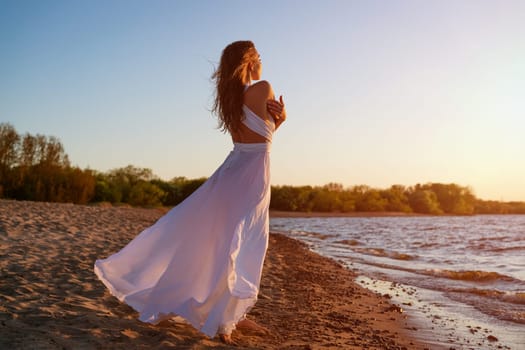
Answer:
(471, 269)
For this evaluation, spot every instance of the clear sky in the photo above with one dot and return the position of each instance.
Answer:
(377, 92)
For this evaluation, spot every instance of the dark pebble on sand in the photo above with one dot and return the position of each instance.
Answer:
(492, 338)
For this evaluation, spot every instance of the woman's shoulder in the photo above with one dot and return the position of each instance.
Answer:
(261, 88)
(256, 97)
(262, 84)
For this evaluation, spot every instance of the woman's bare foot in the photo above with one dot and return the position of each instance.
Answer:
(251, 326)
(226, 339)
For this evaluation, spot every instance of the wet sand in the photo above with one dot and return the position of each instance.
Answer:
(51, 299)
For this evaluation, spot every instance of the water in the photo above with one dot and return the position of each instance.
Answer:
(467, 273)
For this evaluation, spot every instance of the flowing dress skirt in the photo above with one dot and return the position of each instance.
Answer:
(203, 259)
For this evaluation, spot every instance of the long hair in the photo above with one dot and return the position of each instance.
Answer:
(229, 80)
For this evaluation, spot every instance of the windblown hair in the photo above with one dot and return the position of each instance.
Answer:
(229, 78)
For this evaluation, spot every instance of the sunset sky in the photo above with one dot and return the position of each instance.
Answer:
(377, 92)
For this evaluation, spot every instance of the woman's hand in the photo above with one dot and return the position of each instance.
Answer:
(277, 110)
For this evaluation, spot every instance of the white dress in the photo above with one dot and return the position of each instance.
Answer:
(203, 259)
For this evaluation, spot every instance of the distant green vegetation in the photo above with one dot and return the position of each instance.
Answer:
(431, 198)
(36, 167)
(139, 187)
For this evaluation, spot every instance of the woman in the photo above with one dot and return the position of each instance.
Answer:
(203, 259)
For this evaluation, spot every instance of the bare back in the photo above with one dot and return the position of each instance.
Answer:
(255, 98)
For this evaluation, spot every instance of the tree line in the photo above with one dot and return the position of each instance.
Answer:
(430, 198)
(36, 167)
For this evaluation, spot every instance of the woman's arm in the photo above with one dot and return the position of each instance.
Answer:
(277, 110)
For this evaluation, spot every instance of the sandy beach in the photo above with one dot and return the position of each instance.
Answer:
(51, 299)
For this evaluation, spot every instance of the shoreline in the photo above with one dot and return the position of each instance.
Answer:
(313, 214)
(360, 214)
(50, 297)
